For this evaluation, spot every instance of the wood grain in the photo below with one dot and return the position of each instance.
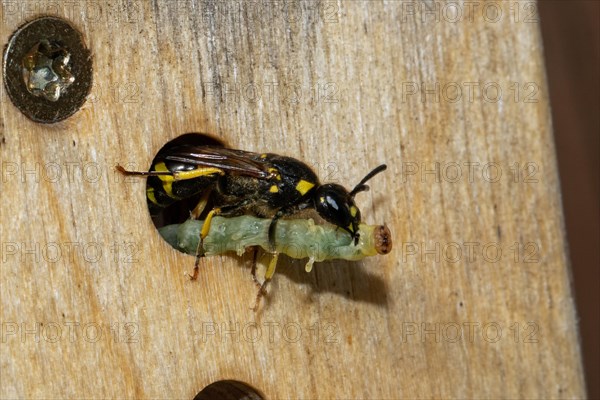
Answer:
(473, 302)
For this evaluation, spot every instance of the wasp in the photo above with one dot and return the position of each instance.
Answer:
(236, 182)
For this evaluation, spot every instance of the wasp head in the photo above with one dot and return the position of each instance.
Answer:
(336, 205)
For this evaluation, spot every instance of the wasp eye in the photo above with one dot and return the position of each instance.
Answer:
(336, 206)
(332, 202)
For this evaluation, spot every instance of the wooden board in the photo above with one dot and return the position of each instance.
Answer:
(473, 302)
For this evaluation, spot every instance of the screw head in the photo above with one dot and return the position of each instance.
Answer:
(47, 70)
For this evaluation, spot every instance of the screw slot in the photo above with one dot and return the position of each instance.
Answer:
(47, 70)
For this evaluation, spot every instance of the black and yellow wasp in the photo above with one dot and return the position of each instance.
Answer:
(236, 182)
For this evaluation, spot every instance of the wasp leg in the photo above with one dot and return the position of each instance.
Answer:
(199, 255)
(197, 211)
(203, 233)
(281, 213)
(268, 275)
(225, 210)
(206, 228)
(272, 227)
(142, 173)
(177, 175)
(195, 214)
(196, 173)
(253, 270)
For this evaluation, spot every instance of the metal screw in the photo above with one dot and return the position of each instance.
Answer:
(47, 70)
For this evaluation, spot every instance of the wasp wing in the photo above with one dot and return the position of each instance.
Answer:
(236, 162)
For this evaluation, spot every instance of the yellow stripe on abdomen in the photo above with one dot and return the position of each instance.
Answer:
(167, 180)
(151, 196)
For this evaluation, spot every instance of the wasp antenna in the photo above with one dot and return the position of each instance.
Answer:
(361, 187)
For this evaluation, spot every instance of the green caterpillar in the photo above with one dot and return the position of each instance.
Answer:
(297, 238)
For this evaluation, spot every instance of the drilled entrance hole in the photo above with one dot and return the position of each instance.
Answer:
(228, 390)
